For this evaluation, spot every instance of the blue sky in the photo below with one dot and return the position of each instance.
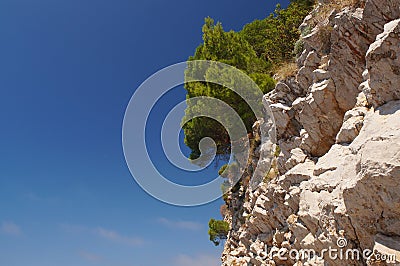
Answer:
(67, 71)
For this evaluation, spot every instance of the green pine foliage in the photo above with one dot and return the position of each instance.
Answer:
(256, 50)
(274, 37)
(218, 231)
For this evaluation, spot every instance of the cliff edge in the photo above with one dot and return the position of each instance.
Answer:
(336, 173)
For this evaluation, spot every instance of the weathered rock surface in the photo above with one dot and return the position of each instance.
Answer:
(383, 57)
(337, 171)
(352, 124)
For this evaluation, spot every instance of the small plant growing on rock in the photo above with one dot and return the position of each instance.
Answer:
(299, 45)
(218, 231)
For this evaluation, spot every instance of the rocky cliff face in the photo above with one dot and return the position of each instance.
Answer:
(335, 182)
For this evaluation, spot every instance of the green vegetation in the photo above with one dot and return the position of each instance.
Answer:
(273, 38)
(299, 45)
(222, 169)
(218, 231)
(277, 151)
(229, 48)
(226, 171)
(258, 50)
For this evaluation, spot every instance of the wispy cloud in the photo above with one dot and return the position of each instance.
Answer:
(198, 260)
(91, 257)
(10, 228)
(185, 225)
(117, 237)
(104, 233)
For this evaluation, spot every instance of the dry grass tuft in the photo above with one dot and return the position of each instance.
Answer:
(322, 11)
(285, 70)
(339, 4)
(272, 173)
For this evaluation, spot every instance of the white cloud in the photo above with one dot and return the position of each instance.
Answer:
(10, 228)
(185, 225)
(198, 260)
(107, 234)
(90, 256)
(117, 237)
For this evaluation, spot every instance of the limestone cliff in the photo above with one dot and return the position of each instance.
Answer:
(335, 181)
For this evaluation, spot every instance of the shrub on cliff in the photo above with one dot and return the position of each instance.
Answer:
(218, 231)
(274, 37)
